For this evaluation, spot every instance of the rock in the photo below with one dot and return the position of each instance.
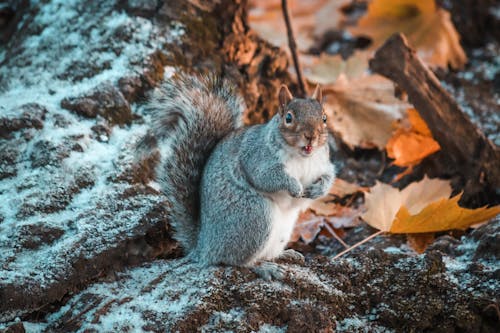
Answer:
(145, 8)
(32, 236)
(17, 327)
(32, 116)
(380, 291)
(57, 195)
(134, 88)
(45, 153)
(105, 101)
(114, 232)
(102, 132)
(488, 237)
(11, 13)
(9, 153)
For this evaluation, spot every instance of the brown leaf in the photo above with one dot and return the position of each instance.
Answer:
(342, 188)
(362, 111)
(309, 226)
(310, 20)
(420, 242)
(327, 68)
(428, 28)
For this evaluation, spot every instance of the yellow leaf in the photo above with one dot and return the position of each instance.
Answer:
(423, 206)
(428, 28)
(442, 215)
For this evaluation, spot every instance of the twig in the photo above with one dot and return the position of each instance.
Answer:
(334, 234)
(293, 47)
(358, 244)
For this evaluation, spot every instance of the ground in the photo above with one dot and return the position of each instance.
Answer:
(85, 242)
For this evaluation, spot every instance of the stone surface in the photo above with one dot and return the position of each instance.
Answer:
(84, 240)
(105, 101)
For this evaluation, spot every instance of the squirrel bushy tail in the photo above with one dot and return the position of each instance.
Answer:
(190, 115)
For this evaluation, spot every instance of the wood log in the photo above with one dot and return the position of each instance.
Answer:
(464, 148)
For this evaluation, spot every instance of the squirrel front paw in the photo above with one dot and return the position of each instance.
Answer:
(317, 189)
(296, 189)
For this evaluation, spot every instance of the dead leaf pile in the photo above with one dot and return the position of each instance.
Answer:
(327, 217)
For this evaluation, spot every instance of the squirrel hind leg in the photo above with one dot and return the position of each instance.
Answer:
(269, 271)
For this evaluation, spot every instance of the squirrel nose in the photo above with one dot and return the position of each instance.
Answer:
(309, 136)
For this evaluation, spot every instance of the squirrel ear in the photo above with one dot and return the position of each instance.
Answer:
(284, 97)
(318, 94)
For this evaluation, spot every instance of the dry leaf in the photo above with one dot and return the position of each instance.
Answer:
(423, 206)
(310, 20)
(309, 225)
(326, 68)
(362, 111)
(420, 242)
(411, 142)
(342, 188)
(428, 28)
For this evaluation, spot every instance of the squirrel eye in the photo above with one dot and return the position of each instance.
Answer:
(324, 118)
(288, 118)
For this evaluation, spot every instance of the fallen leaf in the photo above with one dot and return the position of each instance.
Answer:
(428, 28)
(342, 188)
(326, 68)
(423, 206)
(309, 226)
(420, 242)
(411, 142)
(362, 111)
(310, 20)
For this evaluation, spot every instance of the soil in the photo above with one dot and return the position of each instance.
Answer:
(86, 245)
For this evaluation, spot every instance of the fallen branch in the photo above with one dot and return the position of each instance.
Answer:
(464, 148)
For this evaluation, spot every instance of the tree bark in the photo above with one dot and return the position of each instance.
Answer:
(472, 156)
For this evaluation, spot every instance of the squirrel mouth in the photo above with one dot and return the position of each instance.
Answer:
(307, 149)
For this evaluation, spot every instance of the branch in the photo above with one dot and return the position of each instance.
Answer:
(463, 145)
(293, 48)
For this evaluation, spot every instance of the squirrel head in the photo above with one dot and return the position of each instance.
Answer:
(302, 121)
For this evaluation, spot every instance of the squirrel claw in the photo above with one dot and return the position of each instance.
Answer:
(269, 271)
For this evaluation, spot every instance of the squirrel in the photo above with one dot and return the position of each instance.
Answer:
(235, 192)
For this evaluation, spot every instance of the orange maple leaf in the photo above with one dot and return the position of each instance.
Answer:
(412, 142)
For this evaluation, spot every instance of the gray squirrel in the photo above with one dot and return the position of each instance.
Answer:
(235, 192)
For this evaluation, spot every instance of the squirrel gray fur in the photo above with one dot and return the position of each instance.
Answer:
(235, 192)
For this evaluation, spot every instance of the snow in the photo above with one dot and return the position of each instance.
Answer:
(42, 73)
(360, 324)
(166, 289)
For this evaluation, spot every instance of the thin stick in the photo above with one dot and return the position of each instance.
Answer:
(358, 244)
(334, 234)
(293, 47)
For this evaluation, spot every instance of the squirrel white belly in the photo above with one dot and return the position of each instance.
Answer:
(286, 209)
(235, 192)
